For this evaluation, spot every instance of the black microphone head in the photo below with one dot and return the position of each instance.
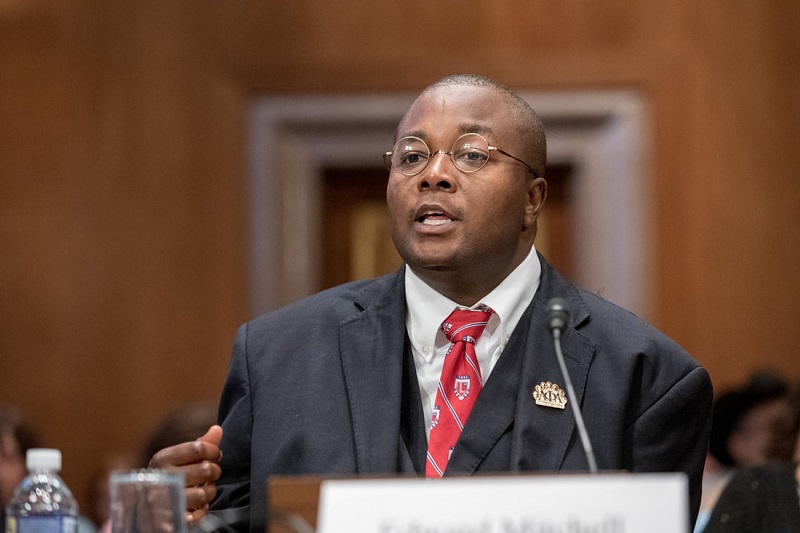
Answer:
(557, 314)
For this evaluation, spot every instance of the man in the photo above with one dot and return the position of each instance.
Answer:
(348, 381)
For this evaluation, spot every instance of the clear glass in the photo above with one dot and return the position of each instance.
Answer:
(148, 500)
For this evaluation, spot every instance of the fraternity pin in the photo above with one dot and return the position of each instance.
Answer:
(550, 395)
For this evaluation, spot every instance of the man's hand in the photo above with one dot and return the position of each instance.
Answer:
(198, 461)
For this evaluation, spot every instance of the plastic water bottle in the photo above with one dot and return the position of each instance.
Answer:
(42, 502)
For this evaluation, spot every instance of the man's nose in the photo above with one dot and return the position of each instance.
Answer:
(440, 173)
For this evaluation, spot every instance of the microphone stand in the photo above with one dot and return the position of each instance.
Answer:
(587, 445)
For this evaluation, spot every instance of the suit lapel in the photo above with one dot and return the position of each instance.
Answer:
(414, 444)
(543, 434)
(372, 345)
(540, 436)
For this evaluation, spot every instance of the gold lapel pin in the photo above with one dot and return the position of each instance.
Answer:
(549, 394)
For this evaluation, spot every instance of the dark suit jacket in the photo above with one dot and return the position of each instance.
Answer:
(327, 386)
(758, 499)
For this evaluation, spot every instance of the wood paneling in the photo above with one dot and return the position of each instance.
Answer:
(123, 240)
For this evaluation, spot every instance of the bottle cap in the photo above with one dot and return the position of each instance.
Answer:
(43, 459)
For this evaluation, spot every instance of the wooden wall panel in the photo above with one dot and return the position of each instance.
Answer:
(123, 244)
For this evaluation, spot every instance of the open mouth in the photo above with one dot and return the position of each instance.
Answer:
(434, 218)
(433, 215)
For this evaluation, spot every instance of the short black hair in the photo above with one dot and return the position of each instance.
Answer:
(732, 406)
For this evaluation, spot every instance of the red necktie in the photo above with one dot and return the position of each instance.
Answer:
(459, 386)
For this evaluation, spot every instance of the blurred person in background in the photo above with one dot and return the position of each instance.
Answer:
(17, 436)
(766, 497)
(741, 429)
(743, 419)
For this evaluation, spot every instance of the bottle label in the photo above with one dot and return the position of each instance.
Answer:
(41, 524)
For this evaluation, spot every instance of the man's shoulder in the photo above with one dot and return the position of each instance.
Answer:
(606, 312)
(611, 327)
(335, 304)
(589, 310)
(623, 338)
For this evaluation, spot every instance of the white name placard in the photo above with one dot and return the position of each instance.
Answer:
(566, 503)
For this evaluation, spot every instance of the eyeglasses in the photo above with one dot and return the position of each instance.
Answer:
(470, 153)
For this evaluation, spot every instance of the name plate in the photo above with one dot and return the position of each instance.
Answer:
(566, 503)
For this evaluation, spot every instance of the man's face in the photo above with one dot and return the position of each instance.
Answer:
(477, 225)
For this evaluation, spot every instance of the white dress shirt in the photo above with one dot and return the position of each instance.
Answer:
(427, 309)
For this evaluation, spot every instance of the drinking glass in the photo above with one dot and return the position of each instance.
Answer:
(148, 500)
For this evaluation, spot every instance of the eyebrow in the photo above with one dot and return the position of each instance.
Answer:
(481, 129)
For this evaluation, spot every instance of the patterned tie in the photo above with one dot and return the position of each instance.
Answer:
(459, 386)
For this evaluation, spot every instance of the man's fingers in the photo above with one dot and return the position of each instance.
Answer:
(194, 517)
(198, 462)
(202, 473)
(213, 435)
(199, 497)
(185, 453)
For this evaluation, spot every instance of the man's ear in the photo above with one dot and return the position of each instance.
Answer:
(537, 194)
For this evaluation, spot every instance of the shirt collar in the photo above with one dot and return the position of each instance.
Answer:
(427, 308)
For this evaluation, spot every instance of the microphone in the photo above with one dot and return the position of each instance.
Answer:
(557, 313)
